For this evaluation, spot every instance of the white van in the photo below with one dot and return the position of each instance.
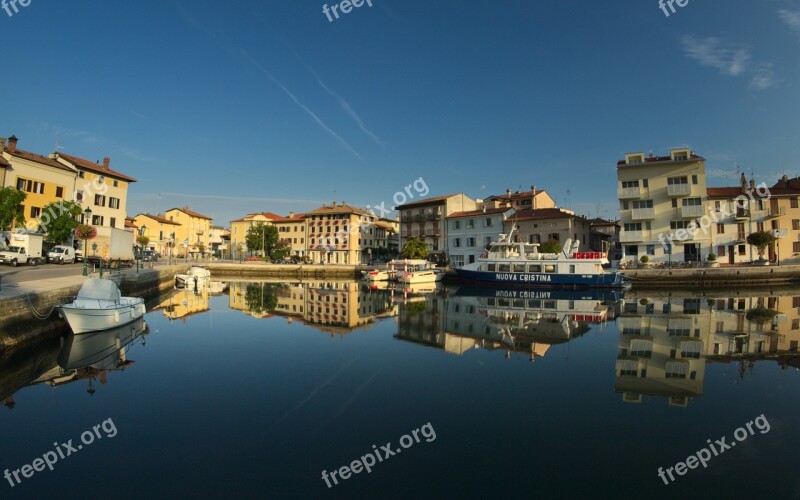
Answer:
(61, 255)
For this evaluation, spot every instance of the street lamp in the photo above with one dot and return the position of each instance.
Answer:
(87, 219)
(142, 230)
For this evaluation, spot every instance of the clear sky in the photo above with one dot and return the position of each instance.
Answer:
(243, 106)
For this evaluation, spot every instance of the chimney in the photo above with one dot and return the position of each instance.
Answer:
(12, 143)
(533, 197)
(106, 162)
(784, 180)
(508, 193)
(752, 184)
(334, 204)
(2, 144)
(344, 203)
(484, 209)
(291, 215)
(743, 181)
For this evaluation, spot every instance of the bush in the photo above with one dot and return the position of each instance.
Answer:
(645, 259)
(711, 257)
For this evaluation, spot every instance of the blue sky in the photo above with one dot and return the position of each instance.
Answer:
(236, 107)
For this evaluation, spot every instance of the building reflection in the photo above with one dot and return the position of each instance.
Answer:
(513, 321)
(185, 302)
(334, 307)
(667, 342)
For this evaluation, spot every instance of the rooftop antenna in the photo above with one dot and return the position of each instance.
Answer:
(569, 194)
(58, 144)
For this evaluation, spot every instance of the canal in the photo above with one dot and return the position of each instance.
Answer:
(340, 390)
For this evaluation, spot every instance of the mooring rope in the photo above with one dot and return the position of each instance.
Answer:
(37, 313)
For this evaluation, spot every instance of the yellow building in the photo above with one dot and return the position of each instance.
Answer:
(239, 228)
(192, 233)
(661, 198)
(292, 231)
(185, 303)
(160, 230)
(44, 180)
(339, 234)
(101, 189)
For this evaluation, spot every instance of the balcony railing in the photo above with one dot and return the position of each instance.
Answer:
(629, 192)
(630, 236)
(775, 211)
(742, 213)
(679, 189)
(643, 213)
(692, 211)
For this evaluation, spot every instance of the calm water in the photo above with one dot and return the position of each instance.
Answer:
(251, 390)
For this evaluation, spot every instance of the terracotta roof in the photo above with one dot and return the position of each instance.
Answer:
(387, 227)
(655, 159)
(473, 213)
(543, 213)
(4, 162)
(158, 218)
(25, 155)
(338, 209)
(190, 213)
(272, 217)
(94, 167)
(130, 224)
(517, 195)
(733, 192)
(599, 221)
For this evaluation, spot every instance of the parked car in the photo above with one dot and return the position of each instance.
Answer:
(61, 255)
(150, 256)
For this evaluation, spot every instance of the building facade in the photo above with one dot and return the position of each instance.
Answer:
(661, 200)
(292, 231)
(551, 225)
(339, 234)
(192, 231)
(519, 200)
(161, 232)
(471, 232)
(427, 219)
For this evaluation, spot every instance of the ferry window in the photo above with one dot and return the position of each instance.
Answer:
(572, 268)
(651, 249)
(534, 268)
(504, 268)
(519, 303)
(519, 268)
(491, 268)
(490, 302)
(503, 302)
(549, 304)
(535, 304)
(549, 268)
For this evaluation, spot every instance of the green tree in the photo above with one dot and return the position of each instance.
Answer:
(266, 238)
(261, 297)
(761, 240)
(551, 246)
(415, 248)
(11, 208)
(142, 240)
(59, 220)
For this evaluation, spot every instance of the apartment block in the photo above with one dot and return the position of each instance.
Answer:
(471, 232)
(161, 232)
(551, 224)
(661, 199)
(427, 219)
(340, 234)
(192, 233)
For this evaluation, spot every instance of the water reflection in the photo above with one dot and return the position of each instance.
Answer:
(667, 342)
(514, 321)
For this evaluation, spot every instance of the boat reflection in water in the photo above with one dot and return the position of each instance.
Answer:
(520, 321)
(92, 355)
(666, 343)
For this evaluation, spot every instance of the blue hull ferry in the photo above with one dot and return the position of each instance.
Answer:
(517, 264)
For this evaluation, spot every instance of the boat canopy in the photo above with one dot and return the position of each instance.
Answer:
(99, 289)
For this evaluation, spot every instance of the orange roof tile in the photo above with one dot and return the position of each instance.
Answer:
(84, 164)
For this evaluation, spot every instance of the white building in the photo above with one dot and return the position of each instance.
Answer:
(470, 232)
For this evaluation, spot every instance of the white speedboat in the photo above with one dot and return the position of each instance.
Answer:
(196, 275)
(378, 275)
(100, 306)
(418, 271)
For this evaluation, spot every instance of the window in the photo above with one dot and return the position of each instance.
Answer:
(674, 203)
(632, 250)
(35, 212)
(796, 246)
(491, 267)
(113, 202)
(645, 183)
(488, 222)
(487, 241)
(793, 202)
(97, 220)
(504, 268)
(20, 184)
(457, 242)
(99, 200)
(518, 268)
(535, 268)
(742, 250)
(625, 205)
(680, 224)
(793, 346)
(677, 369)
(59, 192)
(554, 237)
(795, 301)
(113, 222)
(632, 226)
(116, 183)
(720, 228)
(456, 224)
(694, 179)
(692, 202)
(643, 204)
(721, 250)
(471, 224)
(630, 184)
(549, 268)
(534, 238)
(81, 174)
(796, 324)
(795, 224)
(674, 181)
(717, 205)
(471, 242)
(572, 268)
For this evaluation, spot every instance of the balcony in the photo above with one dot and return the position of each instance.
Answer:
(772, 212)
(692, 211)
(630, 236)
(679, 190)
(629, 192)
(729, 239)
(643, 213)
(742, 213)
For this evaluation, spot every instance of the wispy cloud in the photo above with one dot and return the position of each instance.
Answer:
(348, 109)
(302, 106)
(729, 59)
(791, 18)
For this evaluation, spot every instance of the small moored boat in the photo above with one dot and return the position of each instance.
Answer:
(196, 275)
(418, 271)
(100, 306)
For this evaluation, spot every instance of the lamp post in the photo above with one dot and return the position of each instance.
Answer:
(139, 253)
(88, 220)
